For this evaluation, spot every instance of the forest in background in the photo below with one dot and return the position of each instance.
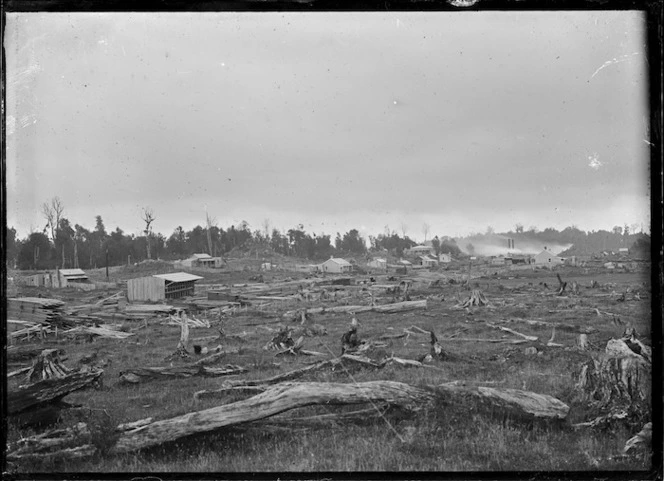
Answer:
(63, 245)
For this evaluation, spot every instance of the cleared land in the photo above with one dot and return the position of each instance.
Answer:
(450, 434)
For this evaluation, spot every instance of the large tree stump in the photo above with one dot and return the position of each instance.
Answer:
(50, 390)
(616, 385)
(477, 298)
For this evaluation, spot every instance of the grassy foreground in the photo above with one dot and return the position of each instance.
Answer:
(450, 436)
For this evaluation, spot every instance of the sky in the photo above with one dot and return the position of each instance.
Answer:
(374, 121)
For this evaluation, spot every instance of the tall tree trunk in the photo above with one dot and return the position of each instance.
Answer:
(76, 255)
(63, 256)
(147, 243)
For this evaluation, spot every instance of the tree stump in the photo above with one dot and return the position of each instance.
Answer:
(616, 385)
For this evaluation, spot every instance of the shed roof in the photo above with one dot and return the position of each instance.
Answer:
(201, 256)
(73, 272)
(178, 277)
(340, 261)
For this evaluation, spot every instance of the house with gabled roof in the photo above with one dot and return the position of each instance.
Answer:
(336, 265)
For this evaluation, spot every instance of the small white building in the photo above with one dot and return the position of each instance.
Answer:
(201, 260)
(548, 258)
(336, 265)
(445, 258)
(428, 261)
(378, 263)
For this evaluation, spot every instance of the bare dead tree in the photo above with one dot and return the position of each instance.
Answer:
(53, 213)
(404, 229)
(148, 218)
(426, 228)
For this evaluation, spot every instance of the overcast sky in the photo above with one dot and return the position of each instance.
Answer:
(332, 120)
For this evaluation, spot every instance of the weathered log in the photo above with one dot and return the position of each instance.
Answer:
(48, 391)
(273, 401)
(146, 374)
(524, 404)
(211, 359)
(383, 308)
(284, 397)
(51, 444)
(557, 325)
(262, 384)
(507, 329)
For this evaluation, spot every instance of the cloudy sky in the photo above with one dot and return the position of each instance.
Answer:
(334, 121)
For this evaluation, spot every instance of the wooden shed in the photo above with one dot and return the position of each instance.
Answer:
(161, 286)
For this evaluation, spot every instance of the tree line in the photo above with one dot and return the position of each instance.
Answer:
(63, 245)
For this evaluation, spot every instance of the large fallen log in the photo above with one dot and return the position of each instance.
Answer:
(273, 401)
(48, 391)
(292, 395)
(383, 308)
(145, 374)
(524, 404)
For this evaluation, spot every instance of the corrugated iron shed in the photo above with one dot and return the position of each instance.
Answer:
(178, 277)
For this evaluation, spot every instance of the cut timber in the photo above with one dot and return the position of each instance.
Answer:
(521, 403)
(274, 400)
(383, 308)
(145, 374)
(51, 390)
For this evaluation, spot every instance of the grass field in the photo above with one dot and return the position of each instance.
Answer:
(448, 436)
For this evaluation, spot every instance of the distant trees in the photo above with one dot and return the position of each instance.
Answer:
(64, 244)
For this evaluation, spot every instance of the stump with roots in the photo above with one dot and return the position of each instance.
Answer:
(47, 366)
(477, 298)
(616, 385)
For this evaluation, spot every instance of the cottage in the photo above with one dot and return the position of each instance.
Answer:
(201, 260)
(336, 265)
(428, 261)
(445, 258)
(378, 263)
(497, 261)
(161, 286)
(548, 258)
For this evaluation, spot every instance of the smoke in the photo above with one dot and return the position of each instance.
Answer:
(496, 245)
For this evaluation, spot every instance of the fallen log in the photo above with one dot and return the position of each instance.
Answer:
(514, 401)
(507, 329)
(557, 325)
(146, 374)
(48, 391)
(262, 384)
(291, 395)
(383, 308)
(273, 401)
